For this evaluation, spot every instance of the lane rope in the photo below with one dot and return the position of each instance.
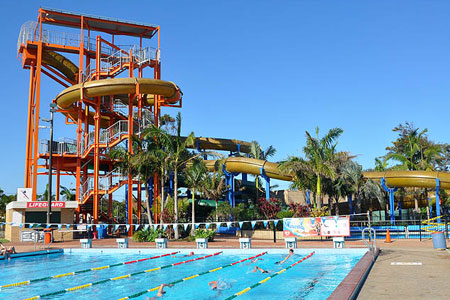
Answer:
(82, 271)
(118, 277)
(266, 279)
(193, 276)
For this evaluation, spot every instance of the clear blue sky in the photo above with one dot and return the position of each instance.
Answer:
(269, 70)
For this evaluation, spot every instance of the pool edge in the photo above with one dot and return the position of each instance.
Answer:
(350, 287)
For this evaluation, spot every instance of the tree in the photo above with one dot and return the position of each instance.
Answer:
(319, 157)
(4, 200)
(160, 148)
(414, 151)
(194, 177)
(68, 193)
(140, 162)
(303, 179)
(180, 156)
(214, 186)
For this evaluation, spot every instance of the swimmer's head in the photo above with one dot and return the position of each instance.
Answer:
(192, 253)
(291, 251)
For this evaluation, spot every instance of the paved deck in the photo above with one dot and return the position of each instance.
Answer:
(426, 281)
(385, 281)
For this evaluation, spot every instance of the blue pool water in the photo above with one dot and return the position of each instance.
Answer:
(314, 278)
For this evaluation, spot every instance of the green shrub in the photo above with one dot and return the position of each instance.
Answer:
(148, 235)
(204, 234)
(285, 214)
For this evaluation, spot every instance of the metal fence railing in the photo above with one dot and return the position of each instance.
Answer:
(405, 229)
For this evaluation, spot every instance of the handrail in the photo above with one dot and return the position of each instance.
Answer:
(372, 244)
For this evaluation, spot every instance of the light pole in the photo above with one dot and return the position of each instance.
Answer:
(49, 190)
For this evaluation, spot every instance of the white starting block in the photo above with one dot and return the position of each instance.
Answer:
(161, 243)
(245, 243)
(291, 242)
(86, 243)
(202, 243)
(122, 243)
(338, 242)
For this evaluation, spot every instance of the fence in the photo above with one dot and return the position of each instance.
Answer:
(405, 229)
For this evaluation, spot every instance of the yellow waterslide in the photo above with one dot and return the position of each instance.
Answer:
(250, 166)
(422, 179)
(119, 87)
(207, 143)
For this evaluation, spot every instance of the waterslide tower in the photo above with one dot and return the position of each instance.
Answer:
(104, 98)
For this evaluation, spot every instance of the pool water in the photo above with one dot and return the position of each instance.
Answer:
(314, 278)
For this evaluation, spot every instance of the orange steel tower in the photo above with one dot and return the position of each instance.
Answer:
(105, 98)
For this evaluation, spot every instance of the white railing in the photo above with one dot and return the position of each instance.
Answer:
(105, 183)
(64, 146)
(117, 59)
(27, 33)
(141, 55)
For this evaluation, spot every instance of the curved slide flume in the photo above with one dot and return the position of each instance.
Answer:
(250, 166)
(423, 179)
(119, 87)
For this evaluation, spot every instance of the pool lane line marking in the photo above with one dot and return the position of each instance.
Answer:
(79, 287)
(406, 263)
(82, 271)
(266, 279)
(193, 276)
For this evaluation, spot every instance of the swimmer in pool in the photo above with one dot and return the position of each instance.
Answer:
(161, 291)
(291, 252)
(256, 269)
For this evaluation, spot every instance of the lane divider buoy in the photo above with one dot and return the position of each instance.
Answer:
(79, 287)
(193, 276)
(266, 279)
(83, 271)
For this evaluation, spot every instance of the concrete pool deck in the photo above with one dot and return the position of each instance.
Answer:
(385, 281)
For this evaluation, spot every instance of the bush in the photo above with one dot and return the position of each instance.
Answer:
(204, 234)
(285, 214)
(148, 235)
(316, 212)
(269, 208)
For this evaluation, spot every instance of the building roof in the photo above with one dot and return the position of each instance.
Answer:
(97, 23)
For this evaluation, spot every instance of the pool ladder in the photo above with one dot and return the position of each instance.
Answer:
(372, 237)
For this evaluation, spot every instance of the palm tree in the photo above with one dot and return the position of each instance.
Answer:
(160, 147)
(214, 186)
(303, 178)
(194, 177)
(180, 156)
(256, 152)
(352, 173)
(68, 193)
(320, 153)
(140, 162)
(414, 151)
(338, 186)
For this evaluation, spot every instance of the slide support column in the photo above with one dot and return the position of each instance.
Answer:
(391, 192)
(438, 200)
(229, 181)
(308, 197)
(261, 172)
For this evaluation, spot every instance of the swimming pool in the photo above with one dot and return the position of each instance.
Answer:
(314, 278)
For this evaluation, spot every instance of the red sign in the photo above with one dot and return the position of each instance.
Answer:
(37, 204)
